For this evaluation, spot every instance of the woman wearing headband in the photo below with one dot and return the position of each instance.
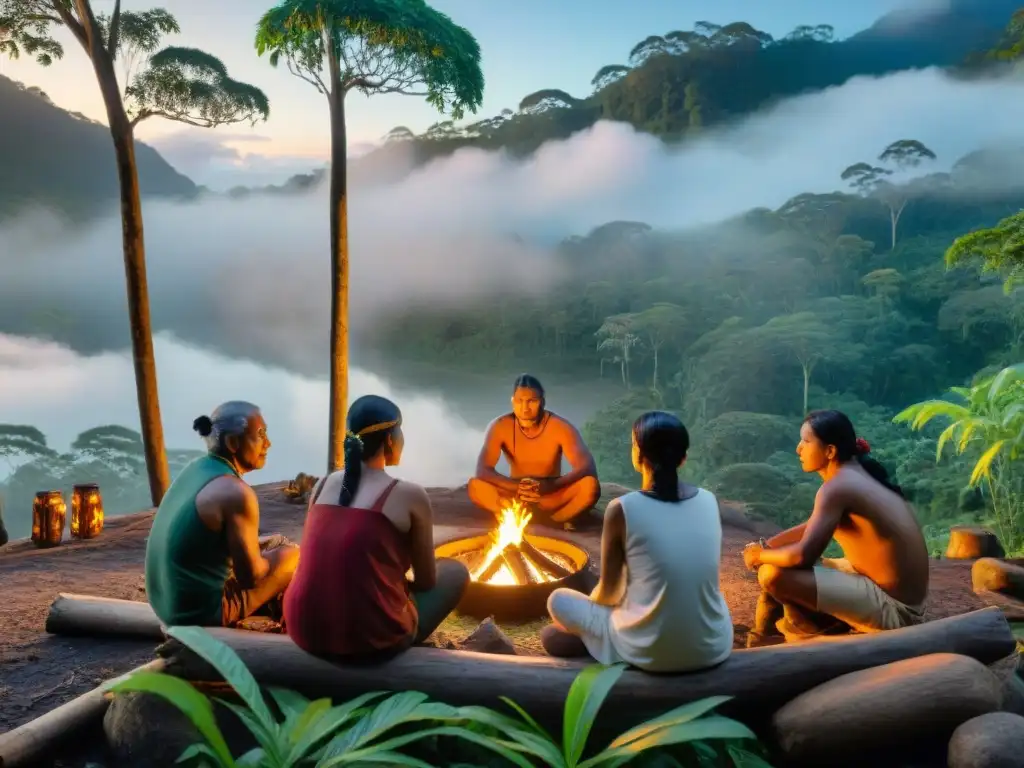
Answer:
(364, 530)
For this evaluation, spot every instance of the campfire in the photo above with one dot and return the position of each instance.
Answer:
(512, 572)
(512, 559)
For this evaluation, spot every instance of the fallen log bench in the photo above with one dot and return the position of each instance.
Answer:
(89, 616)
(760, 679)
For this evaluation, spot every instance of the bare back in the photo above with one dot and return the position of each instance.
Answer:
(880, 536)
(398, 507)
(537, 456)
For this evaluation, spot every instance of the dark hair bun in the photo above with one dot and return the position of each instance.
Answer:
(203, 425)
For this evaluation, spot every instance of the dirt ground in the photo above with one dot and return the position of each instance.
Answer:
(39, 672)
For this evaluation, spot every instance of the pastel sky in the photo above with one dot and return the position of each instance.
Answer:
(527, 45)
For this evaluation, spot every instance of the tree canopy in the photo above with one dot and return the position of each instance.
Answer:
(384, 46)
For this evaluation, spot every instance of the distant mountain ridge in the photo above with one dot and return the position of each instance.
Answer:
(51, 157)
(673, 85)
(677, 84)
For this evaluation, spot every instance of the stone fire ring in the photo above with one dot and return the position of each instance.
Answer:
(517, 602)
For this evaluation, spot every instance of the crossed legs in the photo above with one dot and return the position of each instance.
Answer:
(562, 506)
(238, 603)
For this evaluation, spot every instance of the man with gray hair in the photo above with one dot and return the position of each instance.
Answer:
(205, 562)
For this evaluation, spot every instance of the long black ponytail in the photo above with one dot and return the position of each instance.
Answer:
(663, 443)
(371, 420)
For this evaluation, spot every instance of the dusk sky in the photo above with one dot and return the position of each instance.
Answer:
(527, 45)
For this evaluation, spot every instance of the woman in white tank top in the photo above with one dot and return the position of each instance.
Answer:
(657, 605)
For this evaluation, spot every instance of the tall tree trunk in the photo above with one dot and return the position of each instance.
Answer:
(134, 248)
(339, 269)
(895, 212)
(654, 378)
(807, 385)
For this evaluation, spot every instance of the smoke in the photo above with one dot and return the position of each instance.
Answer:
(250, 277)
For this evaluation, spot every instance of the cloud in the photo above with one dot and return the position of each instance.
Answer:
(221, 160)
(48, 386)
(251, 276)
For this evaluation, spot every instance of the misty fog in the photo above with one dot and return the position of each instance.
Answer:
(63, 394)
(248, 278)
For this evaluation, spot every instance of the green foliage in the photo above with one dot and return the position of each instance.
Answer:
(181, 84)
(689, 724)
(1000, 249)
(378, 46)
(111, 456)
(677, 84)
(374, 727)
(989, 418)
(190, 86)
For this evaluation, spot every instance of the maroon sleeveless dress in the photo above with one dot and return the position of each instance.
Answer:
(349, 596)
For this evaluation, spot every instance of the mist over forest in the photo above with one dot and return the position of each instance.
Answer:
(699, 256)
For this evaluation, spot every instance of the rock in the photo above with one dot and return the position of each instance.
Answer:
(992, 575)
(145, 731)
(994, 740)
(488, 638)
(1013, 695)
(885, 708)
(969, 542)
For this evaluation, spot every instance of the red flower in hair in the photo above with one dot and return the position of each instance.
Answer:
(863, 447)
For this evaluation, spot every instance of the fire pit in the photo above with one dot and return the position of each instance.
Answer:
(513, 572)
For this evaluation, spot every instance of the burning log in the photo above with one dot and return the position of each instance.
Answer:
(512, 556)
(492, 569)
(543, 562)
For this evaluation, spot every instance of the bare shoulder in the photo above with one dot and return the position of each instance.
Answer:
(498, 428)
(614, 509)
(231, 494)
(412, 493)
(563, 426)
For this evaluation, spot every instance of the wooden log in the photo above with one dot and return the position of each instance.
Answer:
(85, 615)
(969, 542)
(28, 744)
(761, 679)
(513, 558)
(488, 573)
(542, 561)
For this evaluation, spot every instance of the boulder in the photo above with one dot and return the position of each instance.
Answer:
(1013, 695)
(992, 575)
(488, 638)
(969, 542)
(995, 740)
(145, 731)
(885, 708)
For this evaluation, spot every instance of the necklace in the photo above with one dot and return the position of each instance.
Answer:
(543, 426)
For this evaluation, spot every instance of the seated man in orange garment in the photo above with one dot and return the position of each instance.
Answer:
(534, 440)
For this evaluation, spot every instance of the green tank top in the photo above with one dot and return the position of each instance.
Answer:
(187, 563)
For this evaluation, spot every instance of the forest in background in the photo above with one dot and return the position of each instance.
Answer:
(839, 300)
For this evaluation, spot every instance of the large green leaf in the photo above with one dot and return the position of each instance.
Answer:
(586, 695)
(231, 668)
(191, 702)
(333, 721)
(677, 716)
(272, 742)
(386, 715)
(526, 717)
(713, 727)
(291, 704)
(372, 753)
(530, 739)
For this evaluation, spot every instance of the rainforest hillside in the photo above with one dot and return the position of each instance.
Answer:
(66, 161)
(677, 83)
(744, 326)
